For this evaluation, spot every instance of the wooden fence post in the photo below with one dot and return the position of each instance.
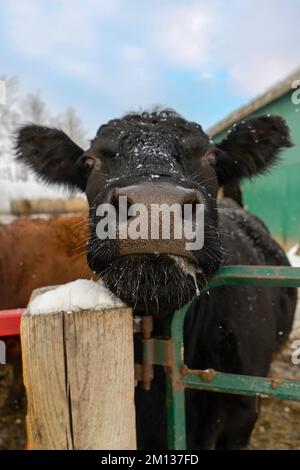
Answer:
(79, 377)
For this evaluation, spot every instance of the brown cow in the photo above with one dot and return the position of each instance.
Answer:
(40, 252)
(36, 253)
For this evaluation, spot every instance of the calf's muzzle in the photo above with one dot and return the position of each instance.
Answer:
(163, 207)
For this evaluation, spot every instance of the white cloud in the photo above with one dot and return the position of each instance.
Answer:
(263, 48)
(254, 43)
(132, 53)
(207, 75)
(80, 39)
(127, 50)
(185, 33)
(62, 34)
(37, 29)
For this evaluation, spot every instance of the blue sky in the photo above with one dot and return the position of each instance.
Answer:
(203, 58)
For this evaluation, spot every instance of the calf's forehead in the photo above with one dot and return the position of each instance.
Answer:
(142, 133)
(138, 146)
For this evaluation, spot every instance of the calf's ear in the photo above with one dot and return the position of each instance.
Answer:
(51, 154)
(251, 147)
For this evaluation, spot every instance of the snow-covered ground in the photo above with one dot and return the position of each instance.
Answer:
(12, 190)
(294, 255)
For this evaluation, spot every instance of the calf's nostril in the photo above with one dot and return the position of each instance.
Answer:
(122, 202)
(190, 207)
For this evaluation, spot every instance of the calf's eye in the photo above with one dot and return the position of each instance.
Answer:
(211, 158)
(88, 162)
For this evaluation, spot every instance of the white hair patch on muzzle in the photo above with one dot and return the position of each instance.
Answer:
(187, 268)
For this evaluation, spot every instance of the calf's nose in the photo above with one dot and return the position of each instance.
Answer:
(164, 195)
(160, 193)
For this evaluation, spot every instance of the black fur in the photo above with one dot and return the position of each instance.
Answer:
(251, 147)
(234, 329)
(51, 154)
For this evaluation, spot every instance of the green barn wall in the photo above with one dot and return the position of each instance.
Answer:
(275, 197)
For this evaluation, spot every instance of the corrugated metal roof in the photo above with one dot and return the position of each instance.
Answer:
(271, 94)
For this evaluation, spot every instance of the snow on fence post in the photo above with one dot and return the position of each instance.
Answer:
(78, 372)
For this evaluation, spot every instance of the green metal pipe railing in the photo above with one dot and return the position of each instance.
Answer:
(170, 354)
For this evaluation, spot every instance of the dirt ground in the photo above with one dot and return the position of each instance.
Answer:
(12, 416)
(278, 426)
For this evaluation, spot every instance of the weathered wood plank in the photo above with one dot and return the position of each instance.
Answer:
(79, 377)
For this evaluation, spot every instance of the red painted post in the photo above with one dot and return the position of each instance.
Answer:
(10, 321)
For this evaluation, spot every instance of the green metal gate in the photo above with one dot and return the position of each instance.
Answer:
(169, 353)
